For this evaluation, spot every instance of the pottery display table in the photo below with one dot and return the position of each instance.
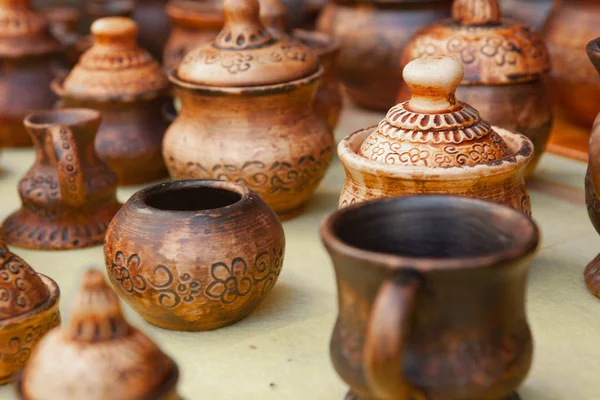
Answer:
(281, 351)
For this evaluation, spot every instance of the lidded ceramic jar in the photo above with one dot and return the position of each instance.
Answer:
(29, 55)
(129, 88)
(247, 113)
(28, 310)
(100, 355)
(505, 65)
(435, 144)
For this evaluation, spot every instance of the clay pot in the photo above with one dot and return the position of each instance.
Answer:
(435, 144)
(100, 354)
(431, 298)
(505, 68)
(69, 195)
(29, 55)
(29, 309)
(154, 24)
(249, 117)
(531, 12)
(194, 255)
(570, 26)
(128, 86)
(372, 36)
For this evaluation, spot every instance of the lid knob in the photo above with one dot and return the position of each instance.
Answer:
(433, 81)
(274, 15)
(476, 12)
(243, 28)
(115, 31)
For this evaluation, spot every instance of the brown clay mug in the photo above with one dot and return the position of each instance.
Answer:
(431, 298)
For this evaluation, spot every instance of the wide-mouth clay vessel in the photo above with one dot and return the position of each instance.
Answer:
(431, 294)
(129, 88)
(372, 35)
(29, 309)
(247, 113)
(194, 255)
(69, 195)
(435, 144)
(101, 356)
(29, 56)
(574, 82)
(506, 66)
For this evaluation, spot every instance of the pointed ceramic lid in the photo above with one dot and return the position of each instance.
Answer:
(23, 31)
(100, 354)
(433, 129)
(245, 54)
(492, 50)
(115, 67)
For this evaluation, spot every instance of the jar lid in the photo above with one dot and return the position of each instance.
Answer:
(24, 32)
(115, 67)
(245, 54)
(433, 129)
(492, 50)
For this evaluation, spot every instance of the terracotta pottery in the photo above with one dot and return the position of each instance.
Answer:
(29, 55)
(532, 12)
(435, 144)
(431, 296)
(124, 82)
(154, 25)
(505, 64)
(194, 255)
(372, 35)
(29, 309)
(69, 195)
(100, 355)
(575, 83)
(249, 117)
(592, 180)
(63, 25)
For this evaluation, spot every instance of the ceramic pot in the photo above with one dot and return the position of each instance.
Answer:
(532, 12)
(431, 298)
(194, 255)
(100, 354)
(69, 195)
(154, 25)
(28, 311)
(250, 121)
(570, 26)
(128, 86)
(435, 144)
(506, 67)
(372, 36)
(29, 55)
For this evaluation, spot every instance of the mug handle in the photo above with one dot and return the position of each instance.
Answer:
(387, 332)
(70, 174)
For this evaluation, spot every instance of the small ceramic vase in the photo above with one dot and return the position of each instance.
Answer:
(247, 113)
(154, 24)
(29, 55)
(100, 355)
(194, 255)
(28, 309)
(592, 179)
(69, 195)
(431, 296)
(575, 83)
(435, 144)
(372, 35)
(505, 64)
(531, 12)
(124, 82)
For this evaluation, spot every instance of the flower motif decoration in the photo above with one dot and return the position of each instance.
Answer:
(121, 270)
(414, 156)
(237, 63)
(230, 283)
(187, 288)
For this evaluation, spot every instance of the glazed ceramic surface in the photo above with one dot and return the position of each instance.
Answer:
(372, 36)
(69, 195)
(194, 255)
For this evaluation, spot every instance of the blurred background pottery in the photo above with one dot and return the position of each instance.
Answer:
(435, 144)
(194, 255)
(431, 296)
(372, 35)
(96, 9)
(64, 22)
(506, 66)
(575, 82)
(69, 195)
(101, 355)
(531, 12)
(129, 88)
(154, 25)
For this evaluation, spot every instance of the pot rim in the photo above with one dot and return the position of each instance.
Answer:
(326, 45)
(521, 156)
(80, 116)
(526, 237)
(52, 300)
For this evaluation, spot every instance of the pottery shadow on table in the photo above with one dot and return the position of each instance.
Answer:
(531, 393)
(277, 305)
